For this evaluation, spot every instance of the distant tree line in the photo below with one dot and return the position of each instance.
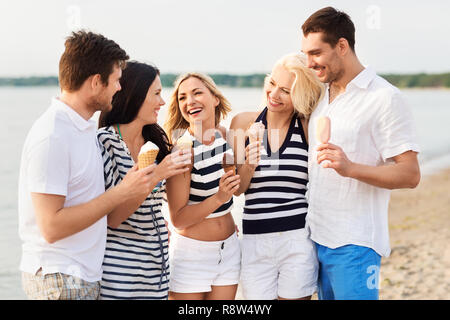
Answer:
(421, 80)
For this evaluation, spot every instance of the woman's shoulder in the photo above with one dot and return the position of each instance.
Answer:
(107, 136)
(105, 133)
(244, 119)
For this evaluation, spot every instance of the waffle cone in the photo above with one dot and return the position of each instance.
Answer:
(146, 159)
(252, 138)
(227, 168)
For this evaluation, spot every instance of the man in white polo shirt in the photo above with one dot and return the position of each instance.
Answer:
(62, 199)
(372, 149)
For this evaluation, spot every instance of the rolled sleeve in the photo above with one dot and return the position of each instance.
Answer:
(394, 129)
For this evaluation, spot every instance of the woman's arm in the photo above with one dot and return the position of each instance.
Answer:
(246, 158)
(173, 164)
(183, 215)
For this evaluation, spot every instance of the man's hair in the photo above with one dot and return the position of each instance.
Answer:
(333, 24)
(87, 54)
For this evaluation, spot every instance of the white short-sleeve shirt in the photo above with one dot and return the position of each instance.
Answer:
(61, 156)
(371, 123)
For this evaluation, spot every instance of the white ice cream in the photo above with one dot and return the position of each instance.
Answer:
(148, 146)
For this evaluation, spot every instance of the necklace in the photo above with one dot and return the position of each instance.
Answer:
(120, 134)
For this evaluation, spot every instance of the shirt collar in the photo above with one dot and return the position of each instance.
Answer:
(364, 78)
(76, 119)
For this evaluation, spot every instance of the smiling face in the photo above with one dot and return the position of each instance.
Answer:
(148, 112)
(196, 101)
(322, 58)
(278, 90)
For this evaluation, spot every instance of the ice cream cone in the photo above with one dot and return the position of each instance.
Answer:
(227, 168)
(228, 163)
(147, 158)
(255, 132)
(147, 154)
(185, 141)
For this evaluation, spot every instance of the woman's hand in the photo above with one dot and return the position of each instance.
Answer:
(228, 185)
(173, 164)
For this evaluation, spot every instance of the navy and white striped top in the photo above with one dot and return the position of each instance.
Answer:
(275, 200)
(207, 171)
(135, 265)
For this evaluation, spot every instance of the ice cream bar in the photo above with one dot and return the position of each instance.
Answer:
(323, 129)
(256, 132)
(147, 154)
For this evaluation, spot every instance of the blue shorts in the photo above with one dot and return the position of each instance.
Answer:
(349, 272)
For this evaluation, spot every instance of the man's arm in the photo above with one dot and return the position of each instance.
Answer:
(403, 173)
(57, 222)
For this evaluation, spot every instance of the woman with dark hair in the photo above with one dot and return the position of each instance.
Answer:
(135, 265)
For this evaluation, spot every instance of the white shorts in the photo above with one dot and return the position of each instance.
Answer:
(281, 264)
(197, 265)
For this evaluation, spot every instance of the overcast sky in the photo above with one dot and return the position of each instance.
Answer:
(226, 36)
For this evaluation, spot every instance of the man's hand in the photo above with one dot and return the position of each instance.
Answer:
(337, 159)
(137, 182)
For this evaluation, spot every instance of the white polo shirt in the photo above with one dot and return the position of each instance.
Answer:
(371, 123)
(61, 156)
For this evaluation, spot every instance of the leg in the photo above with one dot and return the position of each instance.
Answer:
(350, 270)
(222, 293)
(298, 266)
(325, 291)
(259, 274)
(355, 281)
(187, 296)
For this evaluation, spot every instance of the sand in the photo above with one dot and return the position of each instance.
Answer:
(419, 224)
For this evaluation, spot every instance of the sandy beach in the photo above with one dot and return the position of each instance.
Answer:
(419, 224)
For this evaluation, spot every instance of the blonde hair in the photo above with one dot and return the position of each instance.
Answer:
(175, 120)
(306, 90)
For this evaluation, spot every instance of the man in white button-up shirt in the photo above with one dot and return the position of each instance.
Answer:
(372, 149)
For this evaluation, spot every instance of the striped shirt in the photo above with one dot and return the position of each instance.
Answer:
(135, 265)
(275, 200)
(207, 171)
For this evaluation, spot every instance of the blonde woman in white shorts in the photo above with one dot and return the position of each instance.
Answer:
(204, 250)
(278, 257)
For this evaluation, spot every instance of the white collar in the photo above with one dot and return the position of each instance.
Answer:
(74, 116)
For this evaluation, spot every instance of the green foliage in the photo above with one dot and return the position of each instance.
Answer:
(420, 80)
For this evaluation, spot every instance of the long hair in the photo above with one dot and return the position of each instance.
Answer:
(306, 90)
(174, 118)
(136, 78)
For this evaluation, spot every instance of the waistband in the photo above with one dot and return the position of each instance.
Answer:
(176, 237)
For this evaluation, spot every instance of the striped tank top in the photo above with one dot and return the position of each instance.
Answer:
(275, 200)
(207, 171)
(135, 265)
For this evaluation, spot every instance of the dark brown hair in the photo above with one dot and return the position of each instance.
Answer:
(87, 54)
(136, 78)
(333, 23)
